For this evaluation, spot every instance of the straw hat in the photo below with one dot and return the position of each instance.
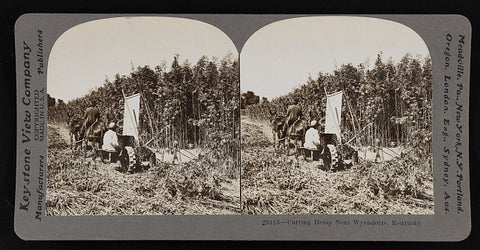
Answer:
(111, 125)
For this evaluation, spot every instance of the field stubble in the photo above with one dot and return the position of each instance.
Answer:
(82, 186)
(273, 183)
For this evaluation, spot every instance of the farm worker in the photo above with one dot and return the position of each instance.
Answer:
(110, 139)
(312, 138)
(294, 112)
(91, 115)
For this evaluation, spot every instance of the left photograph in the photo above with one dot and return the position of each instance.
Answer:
(143, 119)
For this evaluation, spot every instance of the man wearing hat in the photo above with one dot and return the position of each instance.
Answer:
(294, 112)
(110, 139)
(92, 114)
(312, 138)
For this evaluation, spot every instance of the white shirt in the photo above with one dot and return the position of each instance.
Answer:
(312, 139)
(110, 141)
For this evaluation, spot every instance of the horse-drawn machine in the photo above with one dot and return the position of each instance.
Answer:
(334, 154)
(130, 154)
(133, 157)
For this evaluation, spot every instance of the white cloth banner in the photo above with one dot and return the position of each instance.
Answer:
(130, 115)
(334, 114)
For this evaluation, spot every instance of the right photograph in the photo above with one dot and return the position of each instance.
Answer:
(336, 118)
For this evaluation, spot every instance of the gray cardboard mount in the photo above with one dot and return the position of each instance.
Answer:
(451, 225)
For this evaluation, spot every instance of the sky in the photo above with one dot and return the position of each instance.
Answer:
(281, 56)
(86, 54)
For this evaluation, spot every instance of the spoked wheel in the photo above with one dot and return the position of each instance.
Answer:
(124, 160)
(327, 158)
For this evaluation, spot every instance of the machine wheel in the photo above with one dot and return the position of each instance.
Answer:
(124, 160)
(327, 158)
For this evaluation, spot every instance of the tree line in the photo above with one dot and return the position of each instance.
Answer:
(390, 103)
(194, 105)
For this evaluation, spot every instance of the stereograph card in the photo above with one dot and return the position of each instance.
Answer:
(242, 127)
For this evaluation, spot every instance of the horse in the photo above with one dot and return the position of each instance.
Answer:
(277, 124)
(94, 133)
(296, 132)
(75, 127)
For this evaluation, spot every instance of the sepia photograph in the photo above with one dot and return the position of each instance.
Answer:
(302, 127)
(336, 118)
(143, 119)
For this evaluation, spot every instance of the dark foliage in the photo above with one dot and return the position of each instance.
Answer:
(396, 99)
(194, 105)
